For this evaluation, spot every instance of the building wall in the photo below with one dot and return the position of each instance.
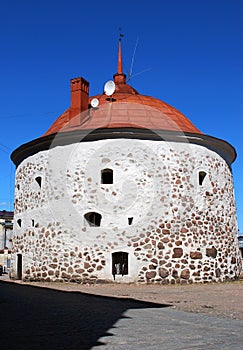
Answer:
(181, 232)
(8, 233)
(6, 229)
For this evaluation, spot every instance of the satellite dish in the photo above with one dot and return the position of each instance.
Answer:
(109, 87)
(95, 102)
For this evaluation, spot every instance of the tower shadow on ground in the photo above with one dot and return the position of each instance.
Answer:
(41, 318)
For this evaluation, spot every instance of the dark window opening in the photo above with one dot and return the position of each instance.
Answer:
(19, 222)
(107, 176)
(241, 250)
(119, 264)
(93, 218)
(130, 220)
(18, 187)
(38, 180)
(33, 222)
(201, 177)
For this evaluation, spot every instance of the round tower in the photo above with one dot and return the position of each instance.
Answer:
(123, 187)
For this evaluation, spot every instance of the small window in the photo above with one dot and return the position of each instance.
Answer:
(201, 177)
(38, 179)
(18, 187)
(119, 264)
(93, 218)
(107, 176)
(130, 220)
(33, 222)
(19, 222)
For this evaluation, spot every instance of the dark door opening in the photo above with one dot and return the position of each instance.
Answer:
(119, 264)
(19, 266)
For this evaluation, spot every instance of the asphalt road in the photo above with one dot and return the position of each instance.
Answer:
(40, 318)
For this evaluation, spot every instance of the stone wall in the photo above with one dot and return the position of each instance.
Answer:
(176, 226)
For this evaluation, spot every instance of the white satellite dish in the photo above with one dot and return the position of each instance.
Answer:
(95, 102)
(109, 87)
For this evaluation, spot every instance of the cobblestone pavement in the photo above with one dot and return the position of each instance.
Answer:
(69, 316)
(168, 329)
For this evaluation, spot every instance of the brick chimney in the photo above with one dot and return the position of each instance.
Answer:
(79, 96)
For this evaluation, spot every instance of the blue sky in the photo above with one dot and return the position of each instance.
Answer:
(189, 55)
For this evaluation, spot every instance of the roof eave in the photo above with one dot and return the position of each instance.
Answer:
(223, 148)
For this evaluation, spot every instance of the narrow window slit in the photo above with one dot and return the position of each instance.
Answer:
(38, 179)
(130, 220)
(201, 177)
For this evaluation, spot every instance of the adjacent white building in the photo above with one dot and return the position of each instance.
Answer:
(6, 229)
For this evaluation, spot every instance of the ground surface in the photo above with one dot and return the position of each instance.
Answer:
(37, 316)
(214, 299)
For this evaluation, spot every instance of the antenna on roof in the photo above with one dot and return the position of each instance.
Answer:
(142, 71)
(132, 62)
(131, 75)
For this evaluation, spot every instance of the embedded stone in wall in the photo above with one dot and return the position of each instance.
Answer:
(185, 274)
(178, 252)
(163, 272)
(211, 252)
(160, 245)
(150, 274)
(195, 255)
(175, 273)
(165, 231)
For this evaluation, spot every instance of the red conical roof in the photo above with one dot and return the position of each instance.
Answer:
(127, 109)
